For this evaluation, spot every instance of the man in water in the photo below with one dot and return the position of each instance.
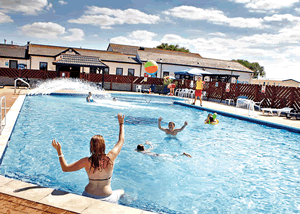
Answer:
(141, 148)
(89, 98)
(171, 127)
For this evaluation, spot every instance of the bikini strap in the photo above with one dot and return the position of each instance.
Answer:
(100, 179)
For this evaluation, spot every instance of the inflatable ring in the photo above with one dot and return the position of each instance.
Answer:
(215, 123)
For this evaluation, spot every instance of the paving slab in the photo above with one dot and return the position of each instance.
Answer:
(25, 190)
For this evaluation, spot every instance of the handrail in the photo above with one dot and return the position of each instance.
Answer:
(1, 117)
(21, 81)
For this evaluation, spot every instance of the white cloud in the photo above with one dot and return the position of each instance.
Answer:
(218, 34)
(214, 16)
(5, 18)
(47, 30)
(49, 6)
(105, 17)
(61, 2)
(29, 7)
(50, 30)
(77, 35)
(282, 17)
(142, 35)
(297, 10)
(266, 5)
(137, 38)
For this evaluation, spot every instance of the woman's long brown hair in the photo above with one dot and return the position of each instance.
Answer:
(99, 160)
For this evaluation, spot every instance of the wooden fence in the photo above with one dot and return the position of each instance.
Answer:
(273, 97)
(24, 73)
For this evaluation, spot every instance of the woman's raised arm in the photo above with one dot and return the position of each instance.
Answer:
(117, 148)
(63, 163)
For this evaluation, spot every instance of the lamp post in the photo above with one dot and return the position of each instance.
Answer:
(160, 68)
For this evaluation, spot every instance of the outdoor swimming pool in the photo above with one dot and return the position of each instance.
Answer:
(236, 166)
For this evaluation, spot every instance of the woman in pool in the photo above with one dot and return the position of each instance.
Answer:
(99, 166)
(141, 148)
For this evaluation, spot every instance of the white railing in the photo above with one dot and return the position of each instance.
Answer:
(3, 101)
(21, 81)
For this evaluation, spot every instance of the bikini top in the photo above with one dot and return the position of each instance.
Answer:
(100, 179)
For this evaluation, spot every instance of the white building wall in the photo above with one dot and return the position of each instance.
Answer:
(4, 62)
(244, 77)
(114, 65)
(35, 62)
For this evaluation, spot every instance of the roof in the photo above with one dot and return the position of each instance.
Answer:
(13, 51)
(109, 56)
(52, 51)
(192, 61)
(290, 80)
(133, 50)
(66, 59)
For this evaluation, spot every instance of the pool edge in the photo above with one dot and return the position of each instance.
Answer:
(241, 117)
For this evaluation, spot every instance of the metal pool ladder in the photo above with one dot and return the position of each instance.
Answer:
(3, 101)
(19, 79)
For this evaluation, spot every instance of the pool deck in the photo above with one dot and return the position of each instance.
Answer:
(21, 197)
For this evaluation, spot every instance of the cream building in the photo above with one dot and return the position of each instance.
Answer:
(116, 60)
(287, 82)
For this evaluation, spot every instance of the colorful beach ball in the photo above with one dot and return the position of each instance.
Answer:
(151, 67)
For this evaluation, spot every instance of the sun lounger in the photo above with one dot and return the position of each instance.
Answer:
(293, 113)
(278, 111)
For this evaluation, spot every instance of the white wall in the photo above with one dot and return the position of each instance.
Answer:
(4, 62)
(114, 65)
(244, 77)
(35, 62)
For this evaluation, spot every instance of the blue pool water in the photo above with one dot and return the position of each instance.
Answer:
(236, 166)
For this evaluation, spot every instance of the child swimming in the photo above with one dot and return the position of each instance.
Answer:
(211, 119)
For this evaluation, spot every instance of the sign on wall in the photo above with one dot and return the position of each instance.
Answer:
(6, 63)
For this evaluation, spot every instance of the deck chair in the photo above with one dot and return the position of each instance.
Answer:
(278, 111)
(293, 113)
(258, 104)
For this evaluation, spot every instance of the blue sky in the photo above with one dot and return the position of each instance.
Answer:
(263, 31)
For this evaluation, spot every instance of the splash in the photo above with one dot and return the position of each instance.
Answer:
(75, 85)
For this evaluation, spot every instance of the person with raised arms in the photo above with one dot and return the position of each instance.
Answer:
(99, 166)
(170, 130)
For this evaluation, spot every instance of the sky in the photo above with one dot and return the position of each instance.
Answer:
(263, 31)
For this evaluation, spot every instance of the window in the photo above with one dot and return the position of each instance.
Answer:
(130, 72)
(106, 70)
(166, 73)
(119, 71)
(13, 64)
(44, 66)
(93, 70)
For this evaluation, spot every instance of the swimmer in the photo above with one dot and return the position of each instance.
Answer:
(211, 119)
(114, 99)
(141, 148)
(89, 98)
(171, 126)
